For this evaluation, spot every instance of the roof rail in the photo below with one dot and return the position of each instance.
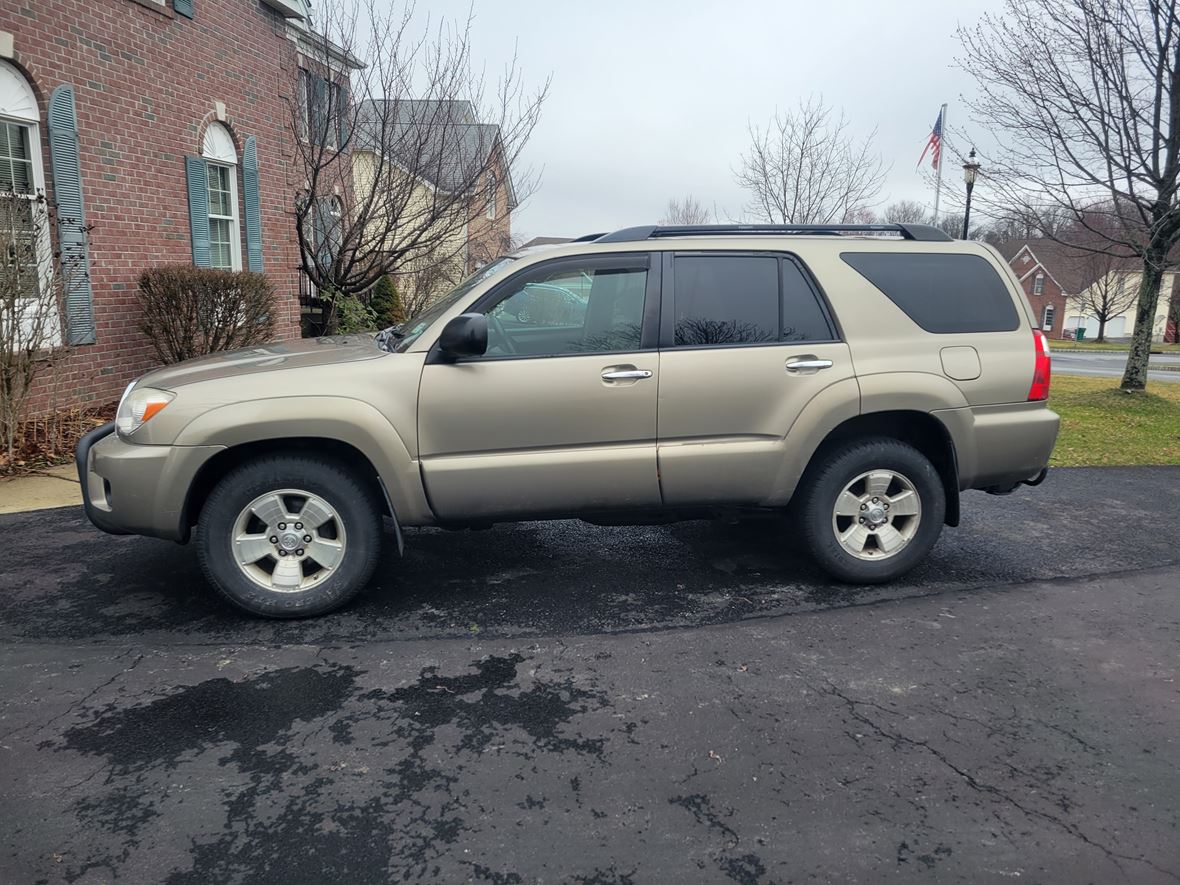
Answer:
(921, 232)
(587, 238)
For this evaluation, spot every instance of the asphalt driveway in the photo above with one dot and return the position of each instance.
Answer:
(558, 702)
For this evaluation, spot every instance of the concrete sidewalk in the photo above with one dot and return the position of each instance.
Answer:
(53, 487)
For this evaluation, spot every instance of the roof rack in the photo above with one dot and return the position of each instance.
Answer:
(920, 232)
(587, 238)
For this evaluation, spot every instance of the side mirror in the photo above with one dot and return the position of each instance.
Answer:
(465, 335)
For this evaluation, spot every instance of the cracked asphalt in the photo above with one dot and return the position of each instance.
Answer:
(565, 703)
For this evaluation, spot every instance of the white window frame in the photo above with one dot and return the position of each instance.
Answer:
(1048, 317)
(491, 196)
(1039, 284)
(219, 153)
(18, 105)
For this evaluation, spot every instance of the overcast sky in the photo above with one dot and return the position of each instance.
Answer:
(651, 100)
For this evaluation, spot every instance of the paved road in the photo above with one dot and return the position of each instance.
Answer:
(1111, 365)
(566, 703)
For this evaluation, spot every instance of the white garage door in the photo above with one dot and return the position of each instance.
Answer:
(1115, 328)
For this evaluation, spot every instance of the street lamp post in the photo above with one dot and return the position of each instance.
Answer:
(970, 170)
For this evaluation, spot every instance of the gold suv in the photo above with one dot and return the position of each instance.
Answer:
(855, 377)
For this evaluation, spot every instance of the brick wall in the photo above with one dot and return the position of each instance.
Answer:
(146, 81)
(1050, 294)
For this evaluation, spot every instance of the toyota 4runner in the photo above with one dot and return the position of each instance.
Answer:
(856, 378)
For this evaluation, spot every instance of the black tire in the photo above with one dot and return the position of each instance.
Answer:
(356, 505)
(825, 481)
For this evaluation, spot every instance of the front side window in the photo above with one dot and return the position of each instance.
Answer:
(723, 300)
(570, 309)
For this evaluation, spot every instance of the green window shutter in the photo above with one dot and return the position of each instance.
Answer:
(65, 157)
(183, 7)
(198, 208)
(252, 204)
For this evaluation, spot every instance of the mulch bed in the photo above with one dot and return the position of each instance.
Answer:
(49, 440)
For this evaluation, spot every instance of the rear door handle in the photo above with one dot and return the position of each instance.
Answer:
(807, 364)
(626, 375)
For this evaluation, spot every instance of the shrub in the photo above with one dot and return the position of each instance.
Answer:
(386, 303)
(353, 315)
(192, 311)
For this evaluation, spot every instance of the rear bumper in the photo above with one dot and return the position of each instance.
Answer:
(130, 489)
(1001, 445)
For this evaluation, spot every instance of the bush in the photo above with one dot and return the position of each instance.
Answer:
(386, 303)
(353, 315)
(192, 311)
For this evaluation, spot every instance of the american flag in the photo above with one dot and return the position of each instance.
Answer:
(935, 141)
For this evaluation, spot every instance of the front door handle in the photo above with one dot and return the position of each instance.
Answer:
(807, 364)
(626, 375)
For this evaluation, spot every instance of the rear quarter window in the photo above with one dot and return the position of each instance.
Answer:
(941, 293)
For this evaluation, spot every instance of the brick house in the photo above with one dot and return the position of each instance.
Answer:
(1043, 286)
(166, 123)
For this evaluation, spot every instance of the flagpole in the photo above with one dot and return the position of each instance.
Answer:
(938, 178)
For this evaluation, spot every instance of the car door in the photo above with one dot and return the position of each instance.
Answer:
(746, 342)
(558, 417)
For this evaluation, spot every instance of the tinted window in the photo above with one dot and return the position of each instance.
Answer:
(569, 309)
(941, 293)
(726, 299)
(803, 319)
(741, 299)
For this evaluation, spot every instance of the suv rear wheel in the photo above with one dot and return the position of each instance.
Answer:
(872, 510)
(289, 536)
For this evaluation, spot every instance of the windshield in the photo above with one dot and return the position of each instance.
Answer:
(413, 328)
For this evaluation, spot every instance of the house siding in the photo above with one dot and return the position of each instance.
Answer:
(146, 83)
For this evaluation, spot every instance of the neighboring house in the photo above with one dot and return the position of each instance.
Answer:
(1041, 271)
(164, 123)
(437, 149)
(1046, 268)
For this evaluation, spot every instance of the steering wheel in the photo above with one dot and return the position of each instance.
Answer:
(500, 333)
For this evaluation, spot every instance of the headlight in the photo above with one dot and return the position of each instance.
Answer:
(138, 405)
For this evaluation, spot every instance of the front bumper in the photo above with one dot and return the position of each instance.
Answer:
(130, 489)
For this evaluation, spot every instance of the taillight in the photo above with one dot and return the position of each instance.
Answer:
(1041, 368)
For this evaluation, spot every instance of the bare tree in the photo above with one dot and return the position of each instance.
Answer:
(806, 167)
(907, 212)
(32, 289)
(1108, 292)
(400, 144)
(1084, 96)
(686, 211)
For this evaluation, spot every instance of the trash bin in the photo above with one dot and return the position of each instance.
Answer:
(1080, 334)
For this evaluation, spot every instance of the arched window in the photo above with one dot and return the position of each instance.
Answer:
(221, 163)
(1038, 284)
(23, 233)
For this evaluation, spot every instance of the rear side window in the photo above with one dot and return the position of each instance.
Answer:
(744, 299)
(941, 293)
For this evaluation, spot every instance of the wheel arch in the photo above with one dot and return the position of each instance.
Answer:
(213, 470)
(923, 431)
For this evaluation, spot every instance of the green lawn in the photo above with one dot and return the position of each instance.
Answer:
(1156, 347)
(1101, 425)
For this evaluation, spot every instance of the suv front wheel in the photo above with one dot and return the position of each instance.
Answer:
(872, 510)
(290, 536)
